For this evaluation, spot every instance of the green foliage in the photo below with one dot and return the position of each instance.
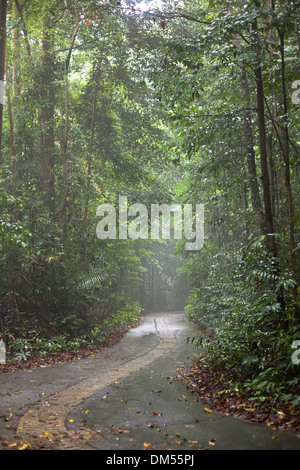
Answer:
(69, 333)
(155, 109)
(122, 319)
(246, 330)
(243, 300)
(58, 282)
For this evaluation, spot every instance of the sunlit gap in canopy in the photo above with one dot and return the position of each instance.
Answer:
(144, 6)
(151, 5)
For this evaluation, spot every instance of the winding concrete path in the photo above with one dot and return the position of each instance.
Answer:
(50, 417)
(126, 397)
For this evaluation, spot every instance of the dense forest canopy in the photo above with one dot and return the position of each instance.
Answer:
(168, 102)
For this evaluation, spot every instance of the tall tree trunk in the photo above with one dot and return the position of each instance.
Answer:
(249, 144)
(276, 168)
(92, 138)
(65, 134)
(64, 160)
(273, 173)
(287, 159)
(89, 160)
(16, 73)
(47, 97)
(271, 241)
(3, 14)
(16, 57)
(25, 32)
(263, 150)
(252, 173)
(297, 25)
(11, 135)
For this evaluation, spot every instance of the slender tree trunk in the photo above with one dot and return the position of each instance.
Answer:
(279, 164)
(297, 27)
(3, 13)
(287, 159)
(25, 32)
(13, 258)
(64, 138)
(245, 188)
(273, 174)
(64, 158)
(13, 87)
(12, 95)
(11, 134)
(276, 168)
(263, 152)
(252, 173)
(92, 139)
(249, 144)
(89, 161)
(47, 97)
(272, 245)
(16, 73)
(16, 58)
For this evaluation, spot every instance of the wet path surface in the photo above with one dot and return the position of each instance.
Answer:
(126, 398)
(151, 409)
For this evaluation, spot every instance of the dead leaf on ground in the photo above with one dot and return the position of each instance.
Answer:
(208, 410)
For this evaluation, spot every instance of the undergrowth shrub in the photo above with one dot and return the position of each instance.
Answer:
(248, 330)
(71, 334)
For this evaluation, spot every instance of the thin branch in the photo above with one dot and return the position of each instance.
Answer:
(277, 126)
(78, 46)
(74, 35)
(171, 16)
(196, 116)
(24, 28)
(166, 15)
